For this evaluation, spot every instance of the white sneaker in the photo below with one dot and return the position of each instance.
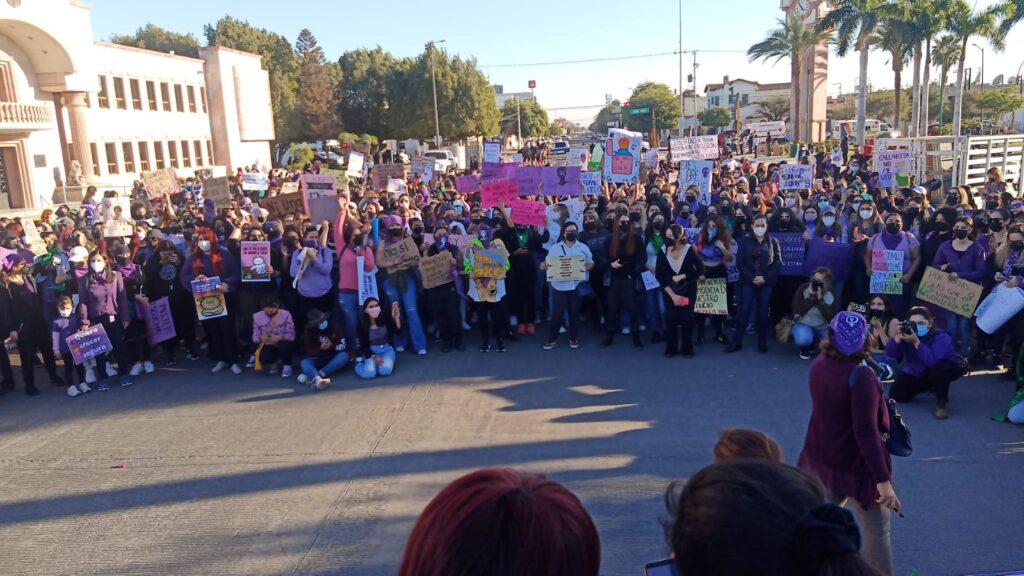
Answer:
(111, 371)
(303, 378)
(625, 331)
(286, 372)
(83, 387)
(90, 376)
(148, 367)
(219, 366)
(321, 383)
(136, 369)
(399, 348)
(235, 368)
(72, 391)
(274, 368)
(562, 330)
(250, 362)
(466, 326)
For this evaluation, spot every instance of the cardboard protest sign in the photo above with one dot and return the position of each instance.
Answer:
(381, 173)
(528, 178)
(492, 151)
(527, 212)
(88, 344)
(622, 164)
(891, 163)
(161, 182)
(959, 296)
(836, 256)
(437, 270)
(419, 165)
(497, 192)
(218, 191)
(209, 299)
(591, 183)
(489, 263)
(793, 248)
(32, 238)
(577, 157)
(712, 297)
(651, 159)
(566, 268)
(694, 148)
(355, 164)
(283, 204)
(560, 181)
(320, 197)
(696, 173)
(159, 322)
(255, 258)
(467, 184)
(289, 188)
(252, 181)
(460, 241)
(367, 281)
(886, 271)
(796, 176)
(837, 157)
(398, 256)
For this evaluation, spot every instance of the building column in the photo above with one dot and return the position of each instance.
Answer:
(77, 104)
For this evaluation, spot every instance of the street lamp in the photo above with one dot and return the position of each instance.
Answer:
(982, 84)
(433, 82)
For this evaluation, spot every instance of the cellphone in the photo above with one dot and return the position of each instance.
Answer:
(666, 567)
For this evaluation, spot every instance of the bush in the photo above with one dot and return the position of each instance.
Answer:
(300, 155)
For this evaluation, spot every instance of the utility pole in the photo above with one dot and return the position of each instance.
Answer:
(433, 82)
(696, 117)
(682, 105)
(982, 128)
(519, 121)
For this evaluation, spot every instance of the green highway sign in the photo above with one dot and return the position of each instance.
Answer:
(638, 111)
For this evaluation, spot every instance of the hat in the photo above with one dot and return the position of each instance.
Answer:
(12, 260)
(829, 210)
(393, 220)
(315, 317)
(849, 331)
(78, 254)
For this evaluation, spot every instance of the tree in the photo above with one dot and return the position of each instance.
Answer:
(895, 36)
(534, 122)
(854, 22)
(947, 54)
(1011, 13)
(299, 155)
(370, 80)
(716, 117)
(314, 106)
(156, 38)
(791, 40)
(774, 108)
(663, 102)
(964, 23)
(998, 102)
(604, 116)
(928, 17)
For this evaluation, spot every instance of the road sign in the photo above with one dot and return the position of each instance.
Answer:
(532, 84)
(616, 110)
(638, 111)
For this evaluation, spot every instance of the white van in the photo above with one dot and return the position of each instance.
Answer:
(872, 128)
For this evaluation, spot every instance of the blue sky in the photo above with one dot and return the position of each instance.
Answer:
(508, 33)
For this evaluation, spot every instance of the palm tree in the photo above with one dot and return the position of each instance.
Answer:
(947, 54)
(1012, 13)
(791, 40)
(895, 37)
(964, 23)
(929, 17)
(854, 22)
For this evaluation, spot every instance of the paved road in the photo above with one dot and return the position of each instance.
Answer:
(254, 475)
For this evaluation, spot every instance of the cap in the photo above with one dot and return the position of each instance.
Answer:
(78, 254)
(315, 316)
(849, 331)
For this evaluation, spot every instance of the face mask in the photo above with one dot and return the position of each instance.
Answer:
(572, 236)
(810, 217)
(759, 231)
(790, 202)
(828, 220)
(64, 312)
(865, 214)
(922, 330)
(755, 203)
(659, 226)
(823, 205)
(323, 325)
(98, 266)
(996, 225)
(204, 245)
(310, 243)
(960, 234)
(952, 199)
(940, 226)
(1017, 246)
(990, 205)
(395, 232)
(634, 216)
(590, 226)
(854, 168)
(418, 231)
(712, 232)
(892, 227)
(373, 311)
(875, 313)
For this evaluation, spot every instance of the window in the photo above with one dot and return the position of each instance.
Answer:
(95, 158)
(186, 154)
(119, 93)
(102, 100)
(192, 99)
(165, 96)
(133, 85)
(209, 152)
(202, 97)
(143, 157)
(178, 100)
(172, 154)
(746, 99)
(151, 95)
(158, 151)
(128, 152)
(111, 150)
(198, 147)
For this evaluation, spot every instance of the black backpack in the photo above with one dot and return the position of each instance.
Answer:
(897, 441)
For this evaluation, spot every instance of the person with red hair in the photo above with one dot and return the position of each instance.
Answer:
(503, 522)
(207, 259)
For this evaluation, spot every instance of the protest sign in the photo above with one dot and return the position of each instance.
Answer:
(577, 157)
(576, 207)
(252, 181)
(622, 164)
(492, 171)
(650, 281)
(381, 173)
(255, 261)
(498, 192)
(460, 241)
(517, 158)
(209, 299)
(566, 268)
(837, 157)
(891, 163)
(88, 344)
(32, 238)
(796, 176)
(886, 271)
(161, 182)
(428, 172)
(355, 164)
(591, 183)
(398, 256)
(397, 187)
(159, 322)
(527, 212)
(692, 234)
(283, 204)
(694, 148)
(651, 159)
(436, 270)
(320, 197)
(762, 130)
(696, 173)
(793, 247)
(529, 178)
(467, 184)
(836, 256)
(492, 151)
(489, 264)
(288, 188)
(218, 191)
(560, 181)
(959, 296)
(116, 216)
(367, 281)
(420, 165)
(712, 297)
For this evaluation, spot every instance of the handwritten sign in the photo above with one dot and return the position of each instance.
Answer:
(253, 181)
(650, 281)
(436, 270)
(694, 148)
(696, 173)
(283, 204)
(712, 297)
(891, 163)
(460, 241)
(467, 184)
(88, 344)
(492, 151)
(367, 281)
(289, 187)
(959, 296)
(835, 256)
(591, 183)
(793, 247)
(498, 192)
(398, 256)
(397, 187)
(320, 197)
(32, 238)
(381, 173)
(622, 164)
(209, 299)
(159, 321)
(886, 271)
(489, 264)
(355, 164)
(218, 191)
(566, 268)
(796, 176)
(763, 130)
(577, 157)
(527, 212)
(161, 182)
(528, 178)
(255, 261)
(560, 181)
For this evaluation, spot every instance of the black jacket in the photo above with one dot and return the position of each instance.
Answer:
(771, 259)
(692, 267)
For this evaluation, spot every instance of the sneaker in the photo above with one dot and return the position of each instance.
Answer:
(274, 368)
(126, 381)
(625, 330)
(170, 362)
(136, 369)
(104, 386)
(562, 330)
(236, 369)
(219, 366)
(805, 354)
(500, 347)
(250, 362)
(942, 409)
(550, 344)
(574, 344)
(90, 376)
(421, 352)
(286, 372)
(531, 328)
(83, 388)
(303, 378)
(485, 348)
(111, 372)
(320, 383)
(72, 391)
(191, 355)
(466, 326)
(399, 348)
(148, 367)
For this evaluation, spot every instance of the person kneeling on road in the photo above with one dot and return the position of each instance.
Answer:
(273, 332)
(325, 350)
(928, 360)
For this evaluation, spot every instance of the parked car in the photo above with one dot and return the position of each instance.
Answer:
(443, 159)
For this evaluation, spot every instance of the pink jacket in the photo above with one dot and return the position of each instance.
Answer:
(348, 277)
(283, 326)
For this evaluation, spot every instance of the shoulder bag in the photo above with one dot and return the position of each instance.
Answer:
(897, 441)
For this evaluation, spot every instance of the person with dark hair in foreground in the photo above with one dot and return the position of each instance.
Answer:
(746, 443)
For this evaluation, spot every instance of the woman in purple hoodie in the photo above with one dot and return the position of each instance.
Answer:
(962, 258)
(102, 299)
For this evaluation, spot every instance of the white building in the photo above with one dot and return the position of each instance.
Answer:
(116, 111)
(500, 96)
(748, 94)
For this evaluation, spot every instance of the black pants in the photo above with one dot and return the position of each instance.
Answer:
(30, 341)
(522, 296)
(70, 370)
(271, 353)
(597, 306)
(138, 341)
(183, 313)
(6, 373)
(568, 300)
(444, 304)
(492, 319)
(622, 294)
(116, 334)
(935, 379)
(679, 319)
(222, 338)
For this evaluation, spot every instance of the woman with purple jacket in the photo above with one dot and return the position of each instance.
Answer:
(962, 258)
(103, 300)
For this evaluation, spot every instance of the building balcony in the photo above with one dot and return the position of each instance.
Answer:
(16, 116)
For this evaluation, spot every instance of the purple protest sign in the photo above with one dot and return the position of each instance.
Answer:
(793, 247)
(528, 178)
(255, 258)
(89, 344)
(467, 184)
(159, 322)
(835, 256)
(560, 181)
(490, 171)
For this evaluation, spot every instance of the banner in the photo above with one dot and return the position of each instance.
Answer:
(436, 270)
(159, 321)
(696, 173)
(793, 247)
(355, 164)
(712, 297)
(209, 299)
(694, 148)
(320, 197)
(381, 173)
(467, 184)
(218, 191)
(762, 130)
(566, 268)
(796, 176)
(89, 343)
(161, 182)
(622, 162)
(255, 261)
(253, 181)
(283, 204)
(835, 256)
(577, 157)
(527, 212)
(591, 183)
(398, 256)
(959, 296)
(489, 264)
(498, 192)
(560, 181)
(492, 151)
(367, 281)
(890, 163)
(528, 178)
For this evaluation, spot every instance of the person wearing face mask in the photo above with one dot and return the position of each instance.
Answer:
(592, 291)
(893, 239)
(1008, 265)
(376, 330)
(22, 317)
(565, 293)
(759, 259)
(927, 359)
(785, 221)
(940, 233)
(400, 288)
(162, 279)
(655, 303)
(814, 305)
(626, 262)
(349, 240)
(488, 291)
(311, 267)
(135, 334)
(103, 300)
(325, 350)
(206, 260)
(273, 334)
(523, 244)
(678, 270)
(65, 325)
(444, 299)
(961, 257)
(716, 250)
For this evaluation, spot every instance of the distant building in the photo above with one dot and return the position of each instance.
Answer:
(500, 96)
(748, 94)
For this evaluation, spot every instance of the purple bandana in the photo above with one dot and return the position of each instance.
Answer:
(849, 330)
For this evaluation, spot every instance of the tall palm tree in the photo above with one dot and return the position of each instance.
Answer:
(964, 23)
(791, 40)
(1012, 13)
(896, 37)
(929, 17)
(947, 54)
(854, 22)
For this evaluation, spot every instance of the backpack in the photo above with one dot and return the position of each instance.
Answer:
(897, 441)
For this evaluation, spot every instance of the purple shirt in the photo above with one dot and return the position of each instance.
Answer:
(102, 296)
(61, 329)
(934, 348)
(969, 264)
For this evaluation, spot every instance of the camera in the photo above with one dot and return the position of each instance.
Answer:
(817, 284)
(907, 328)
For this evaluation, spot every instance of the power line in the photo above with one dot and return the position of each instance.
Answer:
(609, 59)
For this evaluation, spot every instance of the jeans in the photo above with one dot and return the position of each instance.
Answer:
(960, 328)
(349, 303)
(368, 369)
(753, 305)
(317, 365)
(568, 300)
(411, 316)
(804, 336)
(655, 310)
(875, 531)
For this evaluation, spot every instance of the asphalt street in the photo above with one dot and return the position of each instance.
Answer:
(189, 472)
